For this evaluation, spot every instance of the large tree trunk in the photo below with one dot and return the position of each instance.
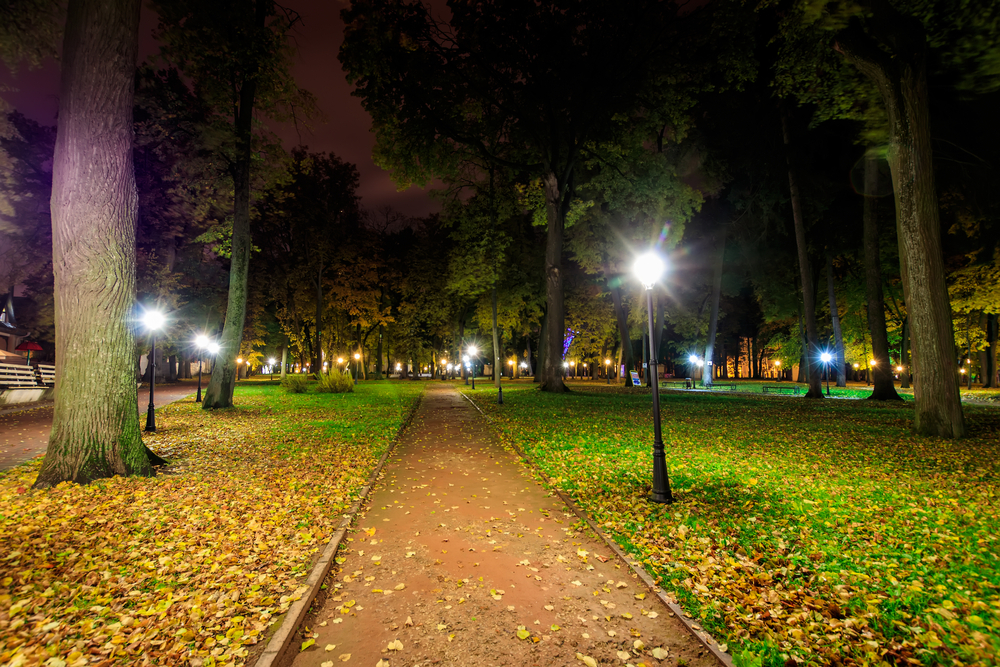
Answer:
(219, 393)
(621, 315)
(95, 423)
(555, 329)
(811, 353)
(901, 78)
(317, 361)
(838, 336)
(988, 357)
(284, 359)
(884, 389)
(378, 368)
(713, 318)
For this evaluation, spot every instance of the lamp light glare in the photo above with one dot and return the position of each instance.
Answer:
(648, 268)
(153, 319)
(825, 358)
(201, 341)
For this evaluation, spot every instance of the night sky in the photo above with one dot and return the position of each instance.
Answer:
(344, 130)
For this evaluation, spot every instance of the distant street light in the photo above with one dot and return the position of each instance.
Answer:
(270, 362)
(201, 342)
(826, 357)
(607, 371)
(239, 361)
(777, 368)
(648, 268)
(472, 357)
(152, 320)
(357, 366)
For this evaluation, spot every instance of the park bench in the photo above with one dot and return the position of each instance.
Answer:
(16, 376)
(686, 383)
(47, 374)
(781, 389)
(722, 387)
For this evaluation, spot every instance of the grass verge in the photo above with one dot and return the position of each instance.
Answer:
(822, 532)
(191, 566)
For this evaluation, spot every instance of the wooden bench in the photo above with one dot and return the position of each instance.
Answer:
(47, 374)
(17, 376)
(686, 383)
(781, 389)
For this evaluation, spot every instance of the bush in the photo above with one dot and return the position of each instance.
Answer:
(335, 382)
(295, 384)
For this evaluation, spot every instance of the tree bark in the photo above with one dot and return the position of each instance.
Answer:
(555, 325)
(284, 359)
(884, 389)
(317, 360)
(902, 82)
(805, 271)
(713, 318)
(622, 316)
(838, 336)
(95, 424)
(496, 342)
(988, 357)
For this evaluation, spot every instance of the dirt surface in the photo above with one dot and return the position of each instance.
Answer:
(24, 434)
(459, 549)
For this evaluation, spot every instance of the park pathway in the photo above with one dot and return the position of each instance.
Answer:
(24, 433)
(461, 558)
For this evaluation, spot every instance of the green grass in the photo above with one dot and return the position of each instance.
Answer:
(821, 530)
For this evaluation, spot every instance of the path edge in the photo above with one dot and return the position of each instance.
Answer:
(710, 643)
(284, 636)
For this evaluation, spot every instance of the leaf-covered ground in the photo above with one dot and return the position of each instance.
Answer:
(191, 566)
(819, 531)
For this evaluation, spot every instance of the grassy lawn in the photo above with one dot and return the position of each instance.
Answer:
(821, 531)
(191, 566)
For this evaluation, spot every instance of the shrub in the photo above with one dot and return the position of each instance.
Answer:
(335, 382)
(295, 384)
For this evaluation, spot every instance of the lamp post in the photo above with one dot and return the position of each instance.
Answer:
(607, 371)
(357, 366)
(201, 342)
(825, 358)
(648, 268)
(239, 362)
(153, 320)
(871, 367)
(472, 358)
(465, 359)
(270, 362)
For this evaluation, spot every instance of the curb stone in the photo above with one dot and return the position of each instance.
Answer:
(706, 639)
(284, 635)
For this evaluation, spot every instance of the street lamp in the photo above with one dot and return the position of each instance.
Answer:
(648, 268)
(270, 362)
(868, 375)
(466, 360)
(201, 342)
(472, 357)
(239, 360)
(152, 320)
(607, 371)
(357, 366)
(826, 357)
(777, 368)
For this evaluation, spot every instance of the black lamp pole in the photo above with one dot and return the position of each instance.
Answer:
(473, 373)
(828, 378)
(151, 411)
(198, 397)
(661, 481)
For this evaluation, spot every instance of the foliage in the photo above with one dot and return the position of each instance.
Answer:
(295, 383)
(335, 382)
(824, 532)
(196, 564)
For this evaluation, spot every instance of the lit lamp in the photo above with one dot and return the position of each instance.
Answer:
(471, 358)
(239, 360)
(201, 342)
(648, 269)
(152, 320)
(270, 362)
(357, 366)
(607, 370)
(825, 358)
(777, 368)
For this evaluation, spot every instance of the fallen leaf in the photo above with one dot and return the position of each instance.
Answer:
(659, 653)
(523, 634)
(624, 656)
(306, 644)
(586, 659)
(344, 657)
(395, 645)
(330, 647)
(409, 622)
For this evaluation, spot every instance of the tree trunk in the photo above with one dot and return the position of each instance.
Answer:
(713, 318)
(838, 336)
(987, 357)
(884, 389)
(284, 359)
(904, 377)
(317, 360)
(95, 424)
(804, 344)
(645, 359)
(219, 393)
(555, 329)
(622, 316)
(378, 368)
(805, 270)
(902, 82)
(496, 342)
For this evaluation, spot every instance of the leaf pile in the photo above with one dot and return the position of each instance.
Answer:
(193, 565)
(821, 532)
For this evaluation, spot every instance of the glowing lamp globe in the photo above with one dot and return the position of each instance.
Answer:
(153, 320)
(825, 357)
(201, 342)
(648, 268)
(213, 348)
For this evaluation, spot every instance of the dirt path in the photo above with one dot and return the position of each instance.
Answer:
(460, 549)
